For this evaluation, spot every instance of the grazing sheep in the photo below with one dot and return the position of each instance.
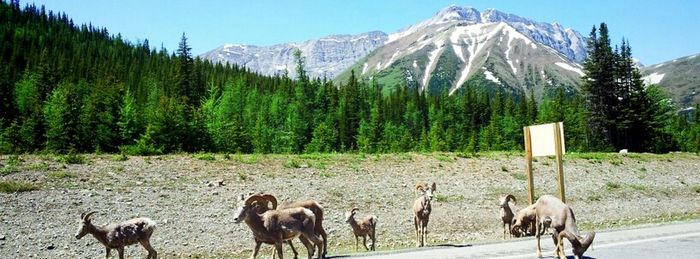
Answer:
(507, 214)
(117, 236)
(421, 212)
(367, 226)
(277, 226)
(552, 211)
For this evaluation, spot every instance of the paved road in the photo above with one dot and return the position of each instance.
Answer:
(679, 240)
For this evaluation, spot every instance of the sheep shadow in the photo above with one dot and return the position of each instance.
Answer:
(567, 257)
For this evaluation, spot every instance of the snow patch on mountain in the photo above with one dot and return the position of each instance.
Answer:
(653, 78)
(432, 58)
(570, 68)
(489, 76)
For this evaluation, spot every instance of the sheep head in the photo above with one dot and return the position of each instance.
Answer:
(349, 215)
(504, 200)
(426, 189)
(252, 203)
(579, 244)
(85, 222)
(522, 220)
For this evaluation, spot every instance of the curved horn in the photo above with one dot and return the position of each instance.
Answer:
(254, 198)
(271, 199)
(354, 210)
(511, 197)
(87, 216)
(586, 242)
(421, 186)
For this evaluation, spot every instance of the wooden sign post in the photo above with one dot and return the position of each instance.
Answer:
(544, 140)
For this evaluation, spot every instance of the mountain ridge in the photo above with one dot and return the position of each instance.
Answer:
(330, 56)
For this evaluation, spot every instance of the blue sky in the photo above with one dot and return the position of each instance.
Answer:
(657, 30)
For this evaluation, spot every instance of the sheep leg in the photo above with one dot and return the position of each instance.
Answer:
(109, 251)
(317, 241)
(537, 236)
(152, 254)
(415, 223)
(256, 249)
(357, 240)
(324, 235)
(364, 242)
(121, 252)
(278, 248)
(289, 242)
(304, 241)
(424, 240)
(374, 241)
(504, 230)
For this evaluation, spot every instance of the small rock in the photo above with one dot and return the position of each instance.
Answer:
(215, 193)
(220, 182)
(139, 183)
(51, 247)
(108, 189)
(2, 237)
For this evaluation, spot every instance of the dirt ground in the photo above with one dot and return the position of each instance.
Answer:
(192, 197)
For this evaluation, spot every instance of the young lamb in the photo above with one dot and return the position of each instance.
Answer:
(117, 236)
(550, 211)
(367, 226)
(507, 214)
(421, 212)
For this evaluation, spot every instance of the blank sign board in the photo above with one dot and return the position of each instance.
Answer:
(542, 139)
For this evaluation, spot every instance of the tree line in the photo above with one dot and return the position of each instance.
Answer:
(67, 87)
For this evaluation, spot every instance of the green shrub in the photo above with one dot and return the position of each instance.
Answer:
(72, 158)
(17, 186)
(612, 186)
(121, 157)
(292, 163)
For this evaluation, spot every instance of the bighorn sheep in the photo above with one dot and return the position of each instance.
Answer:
(317, 209)
(117, 236)
(507, 214)
(367, 226)
(277, 226)
(421, 212)
(549, 210)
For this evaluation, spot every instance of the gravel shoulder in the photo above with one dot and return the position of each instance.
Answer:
(192, 197)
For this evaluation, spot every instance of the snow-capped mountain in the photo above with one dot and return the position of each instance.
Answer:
(460, 45)
(565, 40)
(679, 77)
(460, 36)
(325, 57)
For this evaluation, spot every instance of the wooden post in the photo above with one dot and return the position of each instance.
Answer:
(560, 166)
(528, 165)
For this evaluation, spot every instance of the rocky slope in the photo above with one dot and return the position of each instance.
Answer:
(679, 77)
(325, 57)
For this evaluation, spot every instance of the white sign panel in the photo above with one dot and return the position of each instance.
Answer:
(542, 139)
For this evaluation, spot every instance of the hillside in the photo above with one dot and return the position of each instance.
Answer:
(195, 213)
(679, 77)
(490, 49)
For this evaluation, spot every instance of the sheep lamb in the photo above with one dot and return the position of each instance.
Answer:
(117, 236)
(366, 226)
